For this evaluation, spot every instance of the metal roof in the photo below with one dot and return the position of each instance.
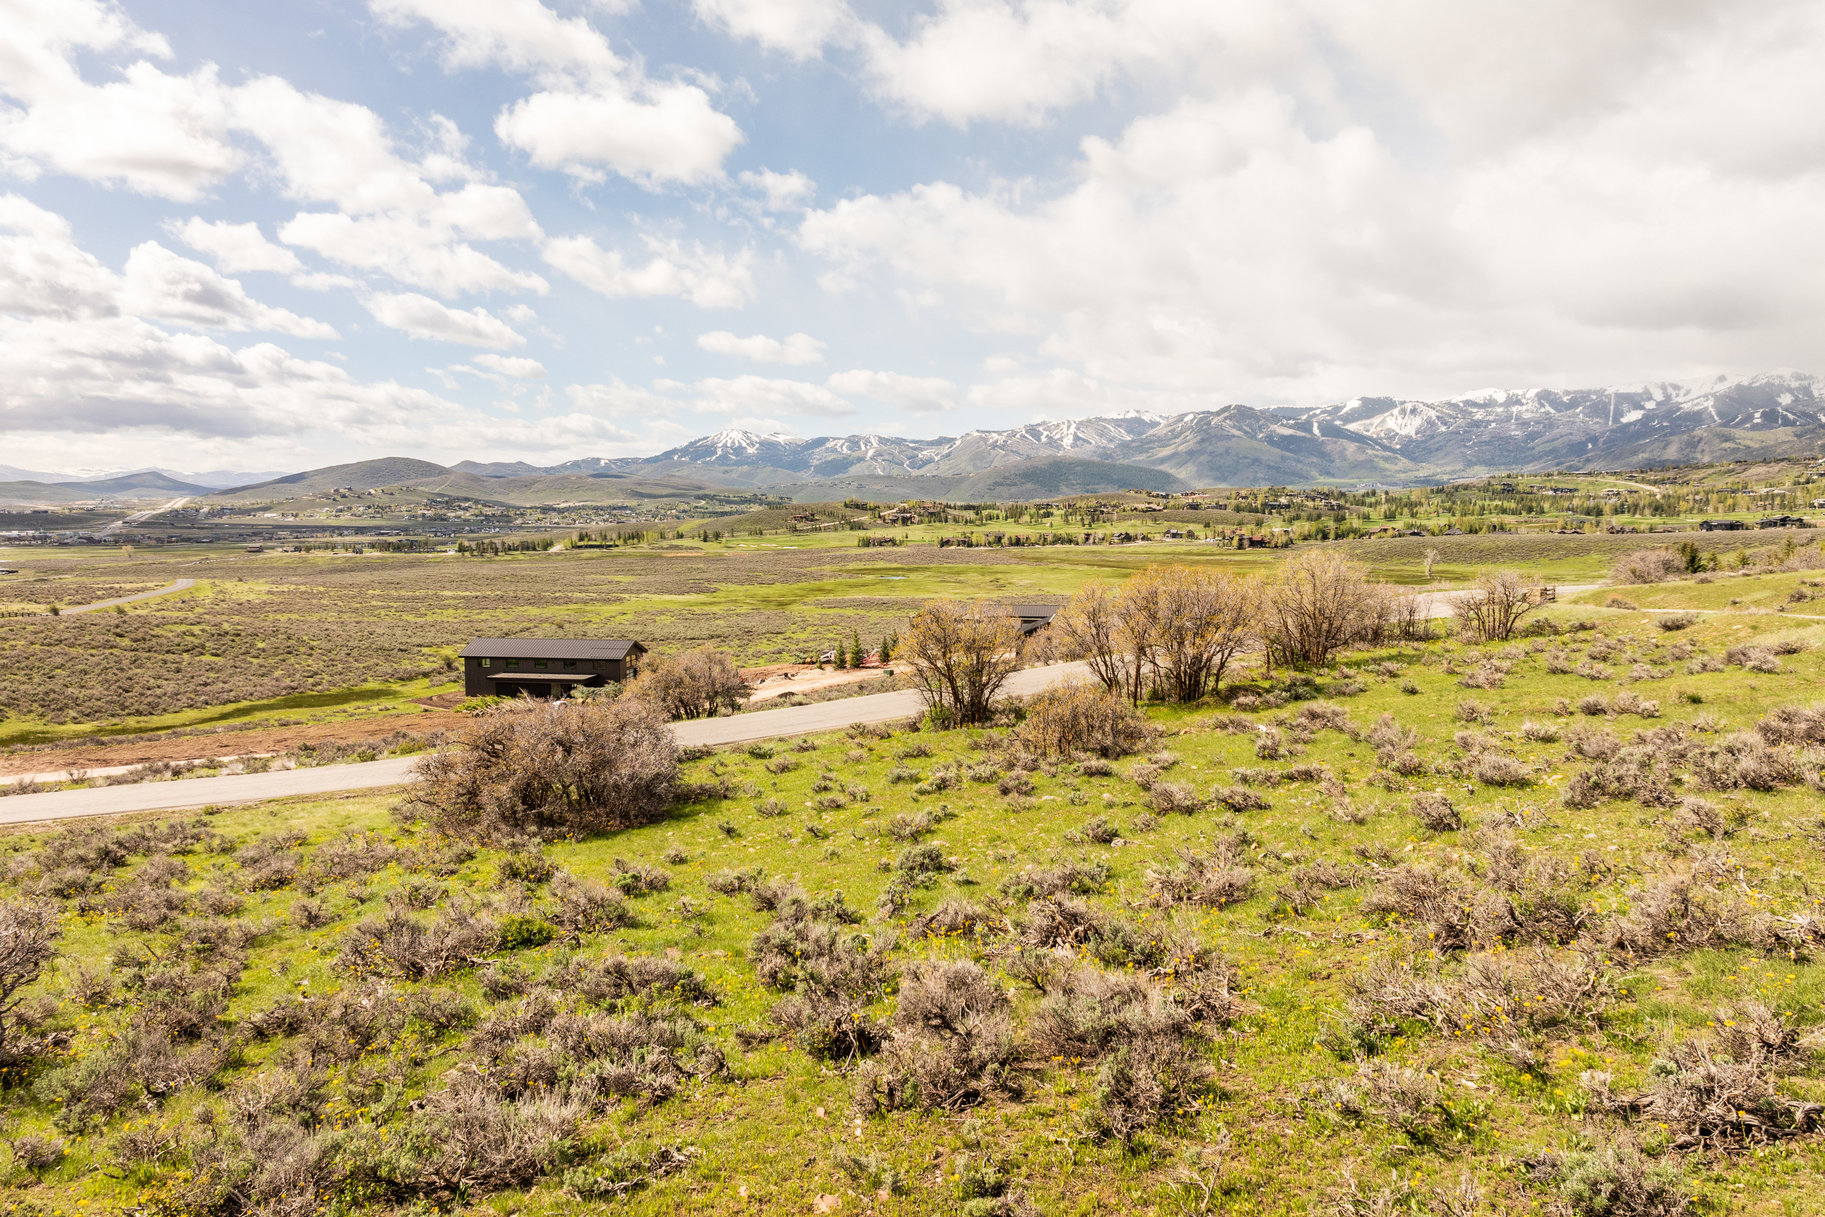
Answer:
(549, 648)
(1046, 611)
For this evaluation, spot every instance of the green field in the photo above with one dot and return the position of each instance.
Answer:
(1322, 1081)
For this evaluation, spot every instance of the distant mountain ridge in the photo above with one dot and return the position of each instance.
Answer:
(1363, 441)
(1366, 439)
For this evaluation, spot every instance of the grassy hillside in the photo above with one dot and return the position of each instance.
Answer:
(1446, 922)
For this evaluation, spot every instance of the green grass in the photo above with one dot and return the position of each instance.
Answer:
(769, 1138)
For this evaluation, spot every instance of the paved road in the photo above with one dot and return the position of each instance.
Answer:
(328, 779)
(137, 516)
(180, 585)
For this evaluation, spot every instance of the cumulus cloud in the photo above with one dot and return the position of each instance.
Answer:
(915, 394)
(704, 277)
(235, 248)
(762, 395)
(423, 317)
(515, 366)
(799, 28)
(147, 130)
(43, 271)
(160, 284)
(793, 349)
(597, 112)
(779, 191)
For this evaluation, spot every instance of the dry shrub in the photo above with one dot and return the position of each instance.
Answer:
(639, 878)
(1213, 880)
(1176, 798)
(585, 906)
(1499, 769)
(1235, 798)
(1149, 1050)
(1437, 813)
(952, 1045)
(1615, 1182)
(1793, 725)
(1675, 621)
(551, 770)
(1754, 658)
(1746, 761)
(402, 946)
(1676, 914)
(29, 932)
(956, 919)
(1721, 1094)
(1083, 718)
(1489, 994)
(1066, 878)
(1648, 566)
(695, 684)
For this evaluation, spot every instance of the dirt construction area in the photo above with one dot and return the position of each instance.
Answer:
(432, 717)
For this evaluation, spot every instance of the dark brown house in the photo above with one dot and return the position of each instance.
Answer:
(546, 667)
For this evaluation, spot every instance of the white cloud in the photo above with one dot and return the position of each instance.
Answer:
(916, 394)
(161, 285)
(672, 134)
(780, 191)
(706, 278)
(521, 35)
(794, 349)
(42, 270)
(799, 28)
(596, 111)
(423, 317)
(411, 250)
(236, 248)
(765, 395)
(515, 366)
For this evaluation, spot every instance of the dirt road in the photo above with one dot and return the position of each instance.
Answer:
(328, 779)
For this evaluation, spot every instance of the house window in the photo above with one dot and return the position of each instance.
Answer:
(484, 663)
(570, 663)
(540, 663)
(601, 665)
(513, 663)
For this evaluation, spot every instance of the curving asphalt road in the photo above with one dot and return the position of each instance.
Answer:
(370, 775)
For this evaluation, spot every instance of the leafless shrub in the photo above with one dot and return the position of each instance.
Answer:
(29, 933)
(1675, 621)
(1469, 711)
(1213, 880)
(1066, 878)
(1083, 718)
(1615, 1182)
(585, 906)
(1174, 798)
(1648, 566)
(269, 863)
(1437, 813)
(550, 770)
(400, 945)
(1148, 1049)
(1499, 769)
(695, 684)
(952, 1045)
(1676, 914)
(1489, 994)
(1753, 658)
(1793, 725)
(1235, 798)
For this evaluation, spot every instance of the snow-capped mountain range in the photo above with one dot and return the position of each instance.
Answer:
(1364, 439)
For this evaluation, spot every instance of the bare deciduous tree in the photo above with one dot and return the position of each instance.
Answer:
(1089, 629)
(1204, 619)
(695, 684)
(1316, 607)
(1492, 610)
(961, 654)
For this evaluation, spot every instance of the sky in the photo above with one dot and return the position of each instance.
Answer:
(275, 236)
